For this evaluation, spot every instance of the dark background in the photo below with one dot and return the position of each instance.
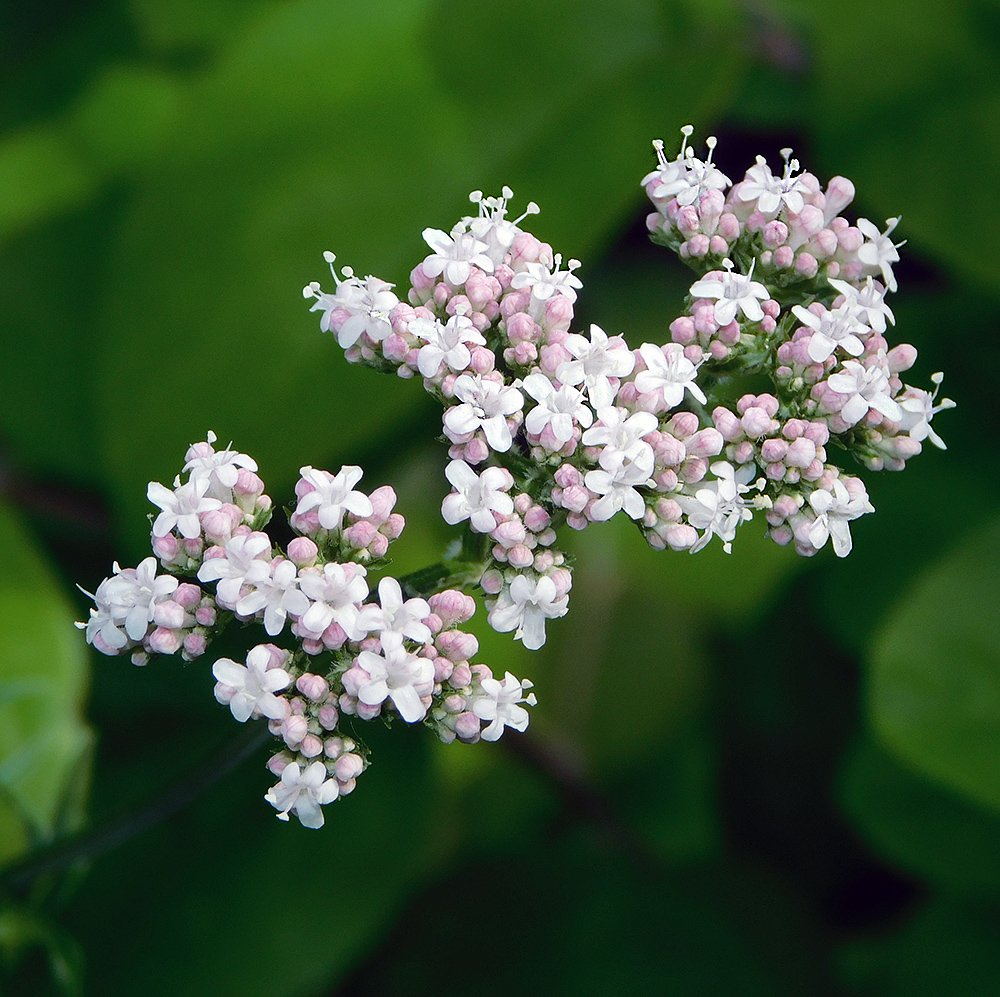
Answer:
(750, 774)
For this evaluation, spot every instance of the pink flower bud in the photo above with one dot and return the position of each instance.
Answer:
(277, 764)
(168, 614)
(303, 552)
(194, 646)
(311, 746)
(452, 606)
(328, 717)
(348, 767)
(491, 582)
(164, 641)
(313, 687)
(773, 450)
(467, 726)
(461, 676)
(756, 422)
(293, 729)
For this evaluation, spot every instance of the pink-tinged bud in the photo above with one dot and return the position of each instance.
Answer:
(395, 348)
(693, 470)
(781, 535)
(205, 616)
(814, 471)
(558, 314)
(166, 548)
(522, 502)
(195, 646)
(293, 729)
(783, 257)
(248, 484)
(520, 556)
(756, 422)
(383, 500)
(218, 525)
(786, 506)
(818, 432)
(902, 357)
(188, 595)
(348, 767)
(681, 537)
(682, 425)
(575, 498)
(521, 328)
(360, 534)
(801, 452)
(277, 764)
(303, 552)
(193, 548)
(825, 242)
(774, 234)
(476, 451)
(491, 582)
(687, 220)
(461, 676)
(839, 194)
(313, 687)
(697, 246)
(704, 443)
(567, 476)
(682, 330)
(694, 353)
(454, 704)
(457, 646)
(168, 614)
(467, 726)
(806, 265)
(334, 747)
(164, 641)
(311, 746)
(718, 246)
(729, 226)
(743, 452)
(851, 239)
(775, 471)
(773, 450)
(537, 519)
(509, 534)
(577, 521)
(328, 717)
(563, 579)
(443, 669)
(452, 606)
(794, 428)
(544, 560)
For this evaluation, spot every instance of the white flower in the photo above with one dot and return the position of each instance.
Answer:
(687, 178)
(617, 484)
(246, 561)
(834, 509)
(477, 496)
(251, 688)
(868, 302)
(524, 606)
(445, 343)
(127, 601)
(303, 793)
(398, 675)
(832, 329)
(277, 595)
(621, 436)
(718, 506)
(220, 467)
(498, 704)
(182, 507)
(865, 388)
(335, 595)
(394, 617)
(733, 292)
(879, 251)
(544, 282)
(367, 304)
(485, 405)
(670, 372)
(492, 226)
(770, 191)
(559, 408)
(333, 495)
(918, 409)
(596, 363)
(455, 255)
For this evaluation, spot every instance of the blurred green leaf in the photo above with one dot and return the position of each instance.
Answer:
(948, 947)
(919, 826)
(42, 174)
(934, 685)
(22, 929)
(44, 741)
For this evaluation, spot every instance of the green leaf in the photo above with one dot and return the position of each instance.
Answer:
(44, 741)
(922, 828)
(934, 684)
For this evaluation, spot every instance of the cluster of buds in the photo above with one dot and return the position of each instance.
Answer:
(549, 427)
(330, 650)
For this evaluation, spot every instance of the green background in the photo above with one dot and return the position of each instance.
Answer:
(749, 774)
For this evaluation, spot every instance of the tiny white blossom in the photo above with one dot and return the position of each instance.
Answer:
(493, 227)
(865, 388)
(837, 328)
(477, 496)
(595, 363)
(687, 177)
(499, 704)
(669, 372)
(918, 409)
(246, 561)
(448, 344)
(220, 467)
(770, 191)
(484, 405)
(834, 509)
(733, 292)
(335, 595)
(303, 793)
(455, 255)
(620, 434)
(397, 675)
(879, 251)
(559, 408)
(278, 595)
(127, 602)
(366, 304)
(395, 617)
(545, 282)
(868, 302)
(333, 495)
(252, 687)
(617, 485)
(718, 506)
(182, 507)
(524, 606)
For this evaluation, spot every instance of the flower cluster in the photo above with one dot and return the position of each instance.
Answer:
(550, 427)
(331, 650)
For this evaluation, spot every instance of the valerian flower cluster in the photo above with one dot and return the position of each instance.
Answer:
(547, 428)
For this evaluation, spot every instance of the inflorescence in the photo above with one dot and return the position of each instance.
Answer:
(546, 428)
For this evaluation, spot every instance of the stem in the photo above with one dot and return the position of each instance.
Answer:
(60, 855)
